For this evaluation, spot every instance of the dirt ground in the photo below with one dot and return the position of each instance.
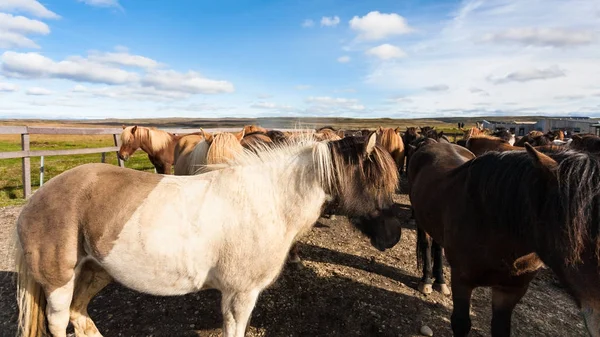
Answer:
(345, 287)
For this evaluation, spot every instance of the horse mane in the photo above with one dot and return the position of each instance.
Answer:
(330, 161)
(155, 138)
(522, 193)
(253, 128)
(223, 147)
(389, 139)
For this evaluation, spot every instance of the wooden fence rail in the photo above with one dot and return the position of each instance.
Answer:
(26, 153)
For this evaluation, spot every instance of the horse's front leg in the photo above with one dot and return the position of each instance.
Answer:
(438, 269)
(237, 308)
(461, 302)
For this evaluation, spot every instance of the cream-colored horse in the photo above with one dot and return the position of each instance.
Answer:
(229, 229)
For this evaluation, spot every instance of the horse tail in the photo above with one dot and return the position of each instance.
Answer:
(31, 299)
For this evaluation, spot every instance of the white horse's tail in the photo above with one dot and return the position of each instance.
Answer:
(30, 298)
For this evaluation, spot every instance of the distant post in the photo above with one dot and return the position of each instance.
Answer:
(118, 144)
(26, 166)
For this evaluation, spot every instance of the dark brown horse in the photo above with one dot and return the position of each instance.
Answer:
(158, 144)
(535, 138)
(586, 142)
(429, 248)
(509, 214)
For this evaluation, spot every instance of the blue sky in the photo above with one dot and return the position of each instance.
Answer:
(377, 58)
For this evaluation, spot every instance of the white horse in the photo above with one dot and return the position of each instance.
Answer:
(229, 229)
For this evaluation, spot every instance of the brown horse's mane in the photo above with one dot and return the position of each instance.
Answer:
(377, 175)
(523, 198)
(224, 146)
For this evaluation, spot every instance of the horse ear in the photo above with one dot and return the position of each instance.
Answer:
(441, 133)
(207, 136)
(240, 135)
(539, 159)
(371, 142)
(124, 126)
(133, 129)
(397, 130)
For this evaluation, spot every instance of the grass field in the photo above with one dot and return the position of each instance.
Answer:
(11, 189)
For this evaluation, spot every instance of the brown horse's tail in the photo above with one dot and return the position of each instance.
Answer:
(31, 299)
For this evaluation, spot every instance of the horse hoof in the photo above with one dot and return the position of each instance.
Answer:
(442, 288)
(425, 288)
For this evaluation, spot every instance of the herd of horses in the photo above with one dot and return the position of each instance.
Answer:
(497, 207)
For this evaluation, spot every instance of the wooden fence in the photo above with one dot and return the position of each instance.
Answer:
(26, 153)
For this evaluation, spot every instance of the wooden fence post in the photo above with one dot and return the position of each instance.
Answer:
(118, 143)
(26, 166)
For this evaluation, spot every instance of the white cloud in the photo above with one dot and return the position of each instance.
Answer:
(531, 74)
(37, 91)
(377, 26)
(32, 7)
(8, 87)
(264, 96)
(308, 23)
(438, 87)
(543, 37)
(34, 65)
(303, 87)
(272, 106)
(102, 3)
(514, 73)
(386, 52)
(330, 21)
(122, 58)
(335, 102)
(190, 82)
(13, 31)
(343, 59)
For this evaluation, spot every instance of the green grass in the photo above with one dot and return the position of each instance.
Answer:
(11, 186)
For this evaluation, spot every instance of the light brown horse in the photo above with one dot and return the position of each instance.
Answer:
(172, 235)
(391, 141)
(207, 149)
(158, 144)
(510, 213)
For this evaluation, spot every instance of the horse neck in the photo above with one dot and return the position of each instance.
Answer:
(299, 190)
(147, 147)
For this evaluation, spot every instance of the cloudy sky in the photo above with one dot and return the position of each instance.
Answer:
(377, 58)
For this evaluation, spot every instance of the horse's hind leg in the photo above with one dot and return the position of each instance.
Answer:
(438, 269)
(424, 257)
(57, 308)
(461, 301)
(504, 300)
(92, 278)
(237, 308)
(293, 256)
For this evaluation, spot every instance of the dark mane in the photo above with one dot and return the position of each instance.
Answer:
(276, 136)
(377, 175)
(527, 202)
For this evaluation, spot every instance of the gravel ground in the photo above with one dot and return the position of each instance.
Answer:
(344, 287)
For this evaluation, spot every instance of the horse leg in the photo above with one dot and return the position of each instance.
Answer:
(424, 256)
(504, 300)
(237, 308)
(91, 280)
(438, 269)
(461, 300)
(57, 309)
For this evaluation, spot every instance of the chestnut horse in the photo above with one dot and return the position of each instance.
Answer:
(482, 143)
(206, 149)
(390, 139)
(172, 235)
(158, 144)
(509, 214)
